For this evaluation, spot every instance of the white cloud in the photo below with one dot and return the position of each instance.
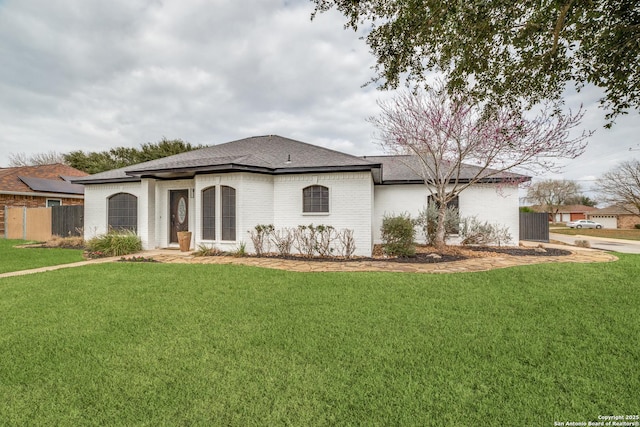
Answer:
(94, 75)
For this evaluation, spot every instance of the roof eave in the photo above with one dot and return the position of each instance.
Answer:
(459, 181)
(43, 194)
(114, 180)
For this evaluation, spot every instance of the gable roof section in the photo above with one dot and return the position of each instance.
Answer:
(401, 169)
(269, 154)
(40, 179)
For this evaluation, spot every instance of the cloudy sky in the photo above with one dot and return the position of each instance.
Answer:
(91, 75)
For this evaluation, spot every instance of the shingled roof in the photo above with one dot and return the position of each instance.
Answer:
(400, 169)
(269, 154)
(49, 179)
(276, 155)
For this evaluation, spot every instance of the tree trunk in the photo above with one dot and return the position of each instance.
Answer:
(440, 231)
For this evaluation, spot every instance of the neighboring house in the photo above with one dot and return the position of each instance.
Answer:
(39, 186)
(222, 192)
(566, 213)
(615, 217)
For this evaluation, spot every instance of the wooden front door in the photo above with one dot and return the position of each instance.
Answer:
(178, 213)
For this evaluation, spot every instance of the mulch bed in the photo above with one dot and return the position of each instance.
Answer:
(521, 251)
(428, 255)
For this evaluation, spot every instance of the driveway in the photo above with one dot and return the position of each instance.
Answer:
(607, 244)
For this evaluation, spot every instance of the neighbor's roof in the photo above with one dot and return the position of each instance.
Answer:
(565, 208)
(269, 154)
(615, 210)
(50, 179)
(400, 169)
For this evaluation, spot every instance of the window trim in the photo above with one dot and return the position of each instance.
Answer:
(328, 201)
(53, 200)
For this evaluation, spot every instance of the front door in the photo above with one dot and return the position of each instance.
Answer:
(178, 213)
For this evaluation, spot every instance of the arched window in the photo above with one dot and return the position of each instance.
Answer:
(315, 198)
(209, 213)
(123, 212)
(228, 212)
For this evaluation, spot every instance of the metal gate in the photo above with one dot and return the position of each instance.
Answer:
(534, 226)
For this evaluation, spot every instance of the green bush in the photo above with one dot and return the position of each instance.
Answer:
(204, 250)
(398, 235)
(637, 226)
(475, 232)
(115, 243)
(428, 221)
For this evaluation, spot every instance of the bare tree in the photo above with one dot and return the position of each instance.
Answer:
(18, 159)
(443, 133)
(553, 193)
(621, 186)
(48, 158)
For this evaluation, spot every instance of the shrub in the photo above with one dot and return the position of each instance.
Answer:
(637, 226)
(347, 242)
(260, 238)
(325, 235)
(72, 242)
(428, 222)
(241, 250)
(283, 240)
(582, 243)
(115, 243)
(137, 259)
(204, 250)
(474, 232)
(398, 235)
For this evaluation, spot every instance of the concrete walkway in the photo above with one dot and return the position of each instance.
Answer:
(580, 255)
(59, 267)
(605, 243)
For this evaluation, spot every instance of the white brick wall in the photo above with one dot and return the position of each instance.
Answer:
(146, 213)
(354, 203)
(254, 205)
(95, 205)
(350, 204)
(498, 205)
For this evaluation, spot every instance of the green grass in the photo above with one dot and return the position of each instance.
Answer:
(16, 259)
(602, 232)
(161, 344)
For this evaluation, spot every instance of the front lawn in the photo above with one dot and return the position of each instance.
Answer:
(16, 259)
(613, 233)
(175, 344)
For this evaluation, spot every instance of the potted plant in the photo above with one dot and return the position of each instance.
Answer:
(184, 239)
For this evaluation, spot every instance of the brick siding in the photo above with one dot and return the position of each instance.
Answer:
(628, 221)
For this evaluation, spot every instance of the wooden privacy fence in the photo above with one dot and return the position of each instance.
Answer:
(534, 226)
(43, 223)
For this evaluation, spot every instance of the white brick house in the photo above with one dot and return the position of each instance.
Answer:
(221, 192)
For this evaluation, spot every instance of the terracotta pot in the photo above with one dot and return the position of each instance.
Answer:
(184, 240)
